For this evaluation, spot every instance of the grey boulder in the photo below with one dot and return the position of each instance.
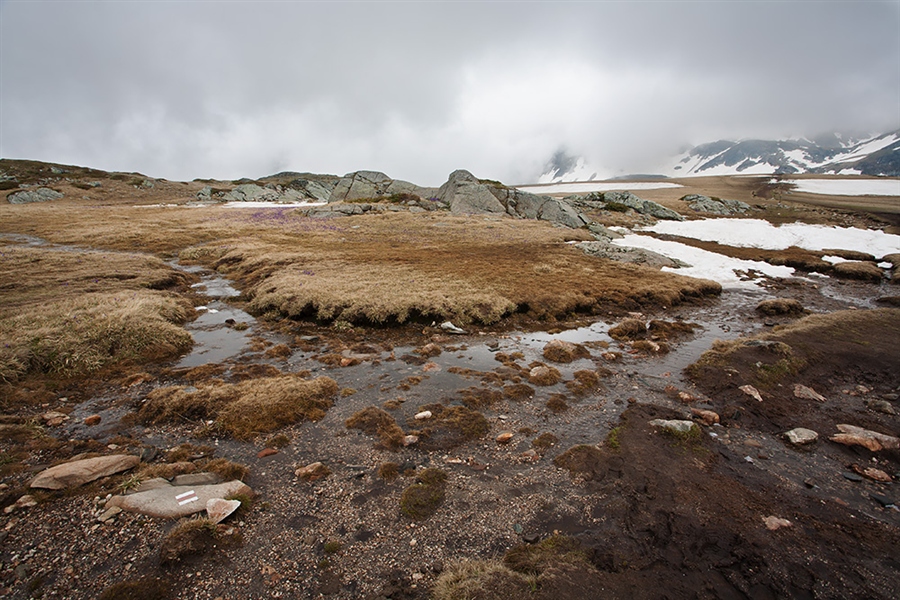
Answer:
(37, 195)
(716, 206)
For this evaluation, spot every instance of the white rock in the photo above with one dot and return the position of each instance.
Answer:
(807, 393)
(218, 508)
(751, 391)
(801, 436)
(674, 425)
(425, 414)
(451, 328)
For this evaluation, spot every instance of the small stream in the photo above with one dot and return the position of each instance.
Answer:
(219, 331)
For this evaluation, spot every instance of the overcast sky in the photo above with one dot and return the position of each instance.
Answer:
(185, 89)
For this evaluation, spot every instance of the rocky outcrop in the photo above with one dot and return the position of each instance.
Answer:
(638, 256)
(617, 200)
(364, 185)
(716, 206)
(42, 194)
(78, 472)
(466, 194)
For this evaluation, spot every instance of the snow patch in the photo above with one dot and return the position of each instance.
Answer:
(590, 186)
(756, 233)
(262, 204)
(848, 187)
(705, 264)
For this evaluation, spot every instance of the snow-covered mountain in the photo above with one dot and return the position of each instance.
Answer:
(874, 155)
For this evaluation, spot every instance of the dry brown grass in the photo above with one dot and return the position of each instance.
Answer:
(378, 268)
(244, 409)
(72, 313)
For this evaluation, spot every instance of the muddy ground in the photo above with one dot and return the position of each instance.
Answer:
(642, 514)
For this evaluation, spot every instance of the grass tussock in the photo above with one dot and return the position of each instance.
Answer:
(245, 409)
(376, 422)
(72, 313)
(190, 538)
(554, 568)
(534, 559)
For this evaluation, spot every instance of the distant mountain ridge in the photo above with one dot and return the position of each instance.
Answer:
(875, 155)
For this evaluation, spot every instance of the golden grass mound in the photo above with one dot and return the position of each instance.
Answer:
(386, 268)
(244, 409)
(72, 313)
(81, 335)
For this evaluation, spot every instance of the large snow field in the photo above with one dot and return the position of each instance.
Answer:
(596, 186)
(756, 233)
(848, 187)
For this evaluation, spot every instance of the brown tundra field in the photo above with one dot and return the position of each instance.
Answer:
(393, 398)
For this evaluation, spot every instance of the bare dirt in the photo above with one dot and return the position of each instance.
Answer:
(644, 515)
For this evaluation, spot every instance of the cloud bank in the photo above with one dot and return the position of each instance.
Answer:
(226, 90)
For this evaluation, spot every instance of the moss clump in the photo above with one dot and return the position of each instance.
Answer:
(332, 547)
(670, 329)
(451, 425)
(564, 352)
(422, 499)
(544, 441)
(612, 438)
(278, 441)
(475, 397)
(557, 403)
(389, 471)
(780, 306)
(650, 347)
(629, 329)
(543, 375)
(374, 421)
(582, 460)
(226, 469)
(145, 588)
(584, 382)
(518, 391)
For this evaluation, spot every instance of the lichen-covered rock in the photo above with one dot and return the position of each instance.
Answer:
(628, 199)
(716, 206)
(43, 194)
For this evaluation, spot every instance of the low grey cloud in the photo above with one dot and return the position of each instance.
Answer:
(232, 89)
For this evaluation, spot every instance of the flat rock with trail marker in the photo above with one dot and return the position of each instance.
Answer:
(175, 501)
